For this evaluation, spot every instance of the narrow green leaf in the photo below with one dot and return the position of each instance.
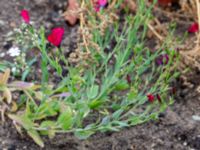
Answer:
(36, 137)
(28, 125)
(122, 85)
(83, 134)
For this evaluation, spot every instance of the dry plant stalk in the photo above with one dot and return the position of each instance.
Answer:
(190, 49)
(190, 57)
(82, 55)
(190, 53)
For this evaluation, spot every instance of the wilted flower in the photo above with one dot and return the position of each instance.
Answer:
(56, 36)
(193, 28)
(162, 59)
(25, 16)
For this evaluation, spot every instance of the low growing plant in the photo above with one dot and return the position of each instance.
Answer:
(113, 80)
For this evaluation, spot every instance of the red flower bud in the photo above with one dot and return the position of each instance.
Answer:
(56, 36)
(128, 79)
(159, 98)
(25, 16)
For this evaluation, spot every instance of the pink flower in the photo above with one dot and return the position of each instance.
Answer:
(150, 97)
(25, 16)
(193, 28)
(100, 4)
(56, 36)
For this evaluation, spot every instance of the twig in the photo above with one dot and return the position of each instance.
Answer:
(198, 15)
(155, 32)
(81, 26)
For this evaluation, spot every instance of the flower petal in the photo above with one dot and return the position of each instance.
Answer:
(150, 97)
(193, 28)
(25, 16)
(102, 3)
(56, 36)
(162, 59)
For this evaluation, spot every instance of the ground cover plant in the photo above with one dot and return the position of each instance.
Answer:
(111, 81)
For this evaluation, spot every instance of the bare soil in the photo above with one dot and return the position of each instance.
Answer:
(174, 130)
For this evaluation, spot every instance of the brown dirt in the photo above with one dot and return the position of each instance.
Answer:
(175, 129)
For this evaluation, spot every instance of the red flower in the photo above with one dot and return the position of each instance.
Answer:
(25, 16)
(150, 97)
(56, 36)
(193, 28)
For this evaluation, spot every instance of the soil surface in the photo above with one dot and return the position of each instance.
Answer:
(174, 130)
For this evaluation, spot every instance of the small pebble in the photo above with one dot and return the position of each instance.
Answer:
(13, 25)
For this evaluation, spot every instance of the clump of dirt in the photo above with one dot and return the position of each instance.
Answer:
(175, 129)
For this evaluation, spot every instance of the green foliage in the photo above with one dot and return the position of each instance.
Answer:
(98, 98)
(65, 119)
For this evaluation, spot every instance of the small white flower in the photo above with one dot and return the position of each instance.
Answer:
(2, 54)
(14, 69)
(14, 51)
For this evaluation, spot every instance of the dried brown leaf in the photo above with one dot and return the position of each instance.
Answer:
(71, 15)
(4, 77)
(7, 95)
(130, 4)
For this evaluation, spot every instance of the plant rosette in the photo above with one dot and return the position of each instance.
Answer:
(117, 83)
